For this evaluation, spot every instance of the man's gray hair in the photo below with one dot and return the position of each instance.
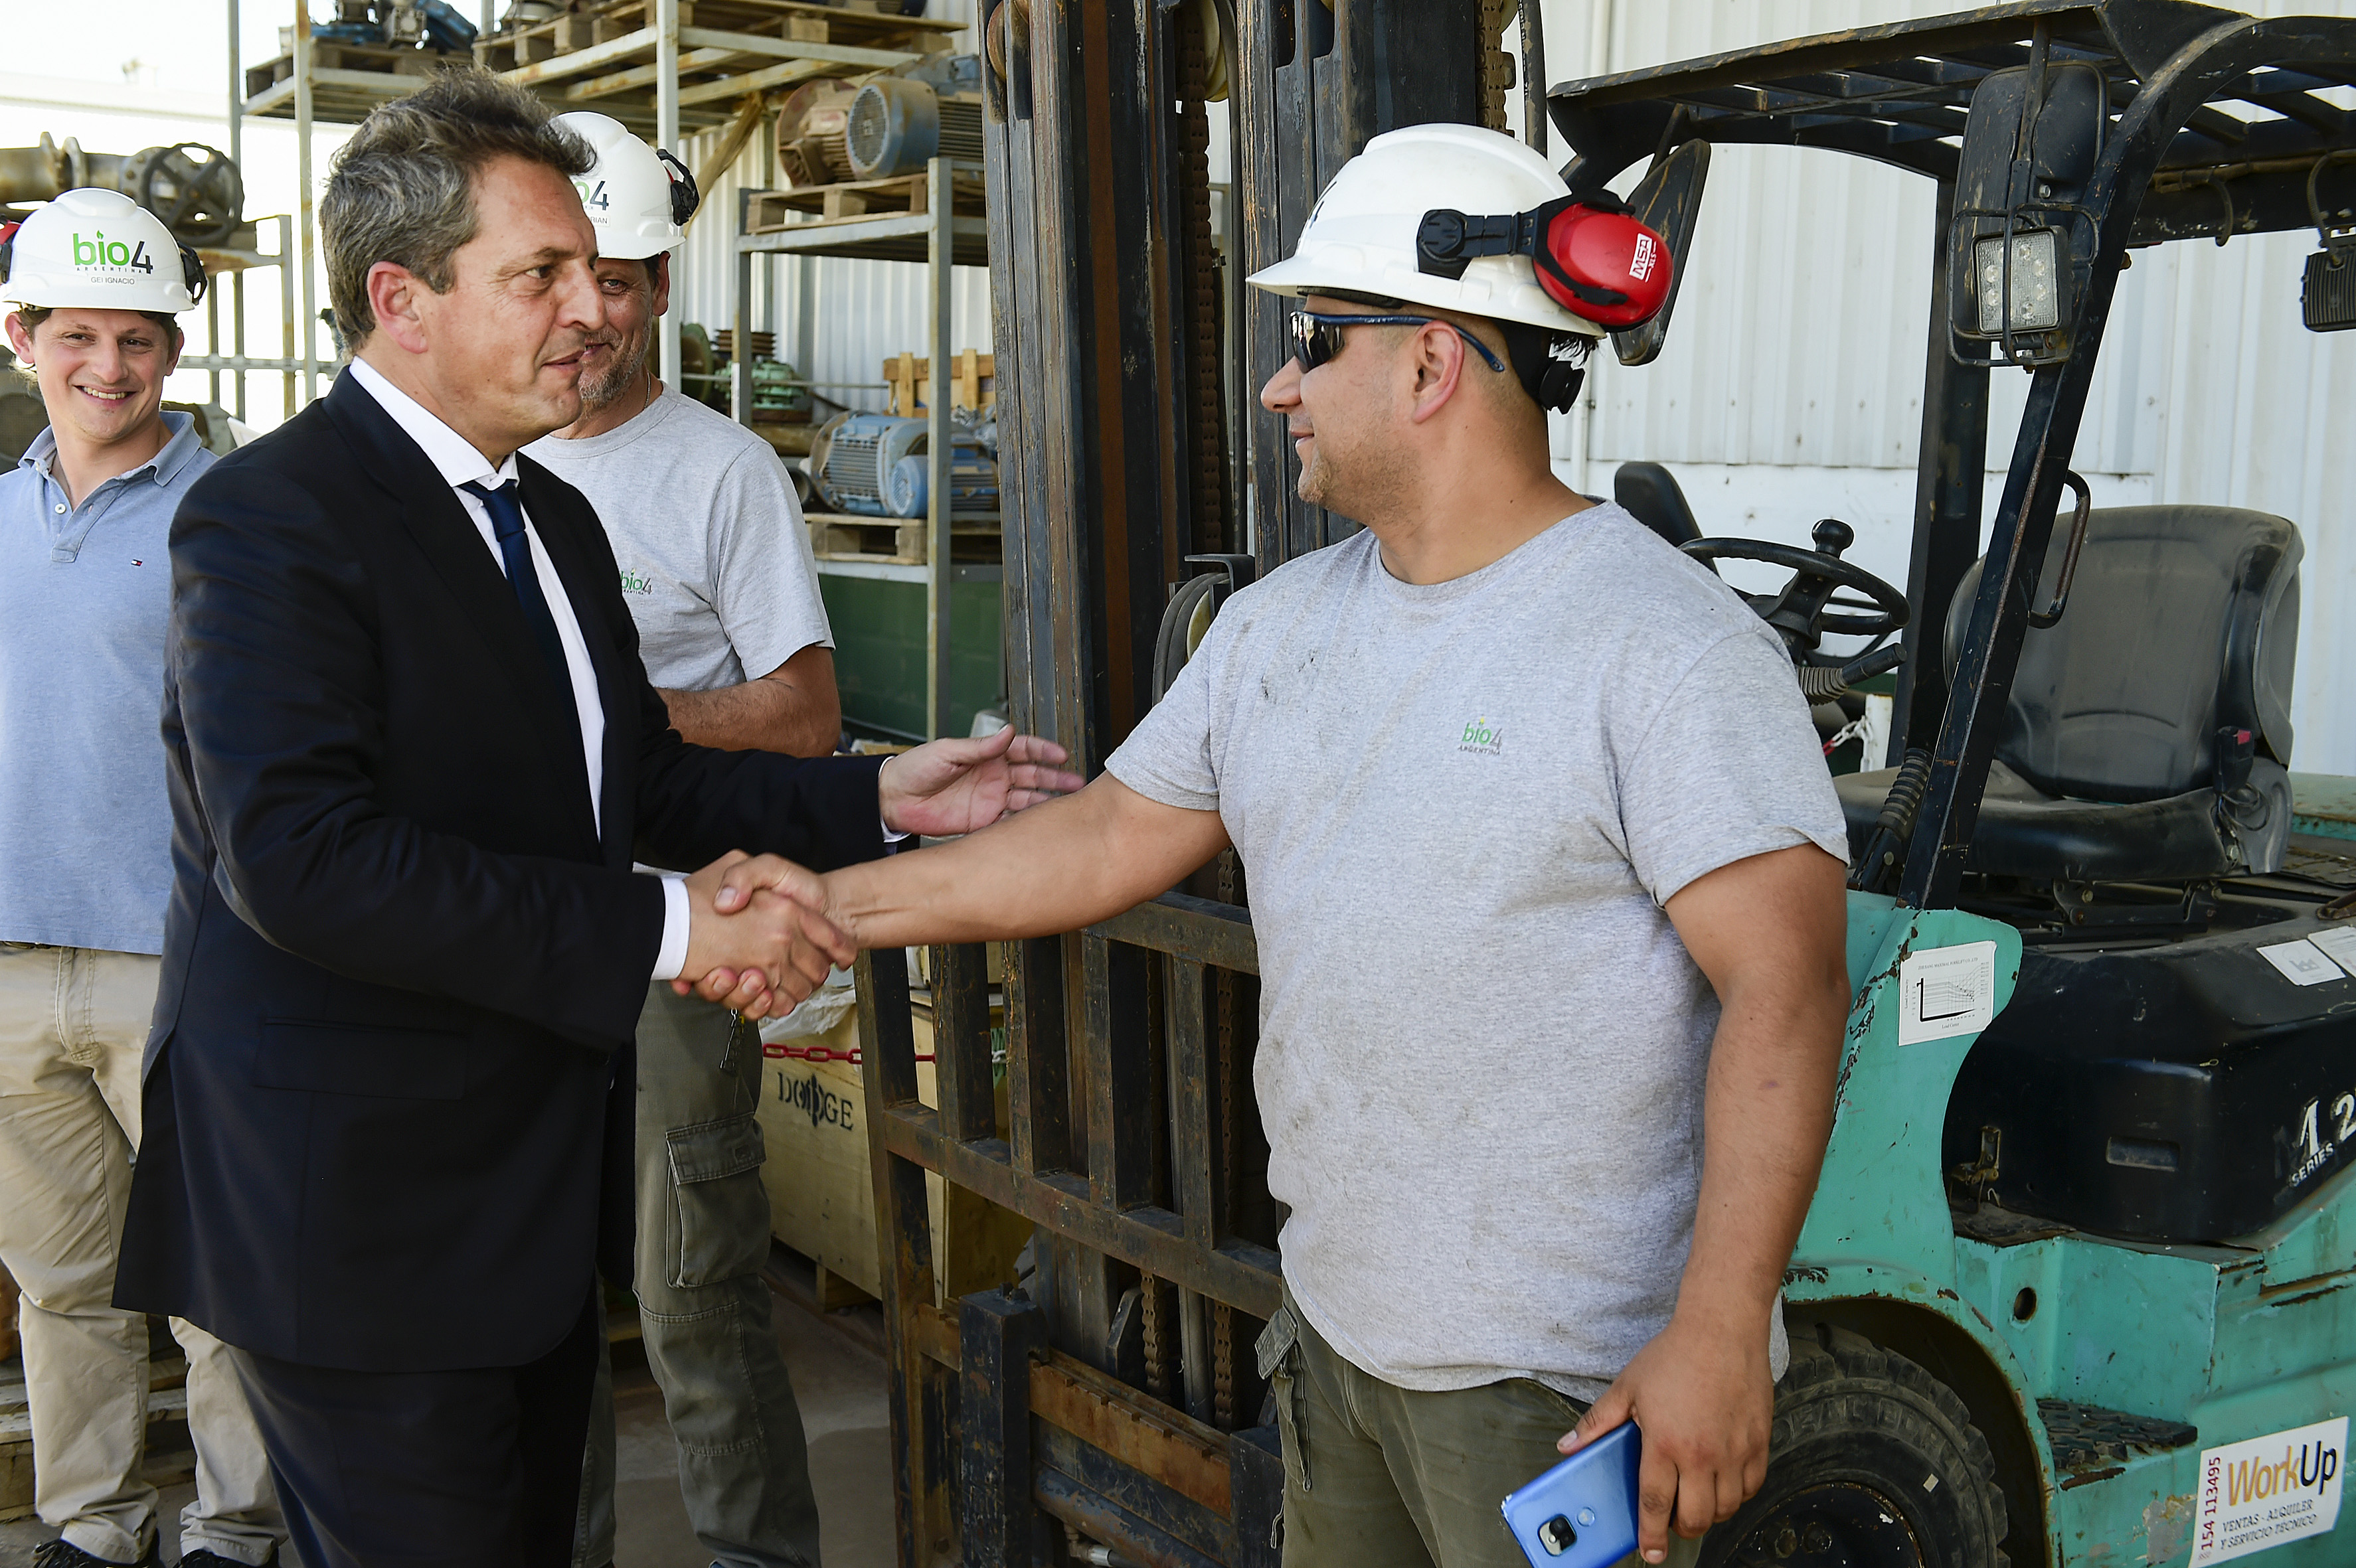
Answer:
(403, 188)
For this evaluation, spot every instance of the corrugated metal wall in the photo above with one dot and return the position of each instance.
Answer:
(858, 312)
(1790, 386)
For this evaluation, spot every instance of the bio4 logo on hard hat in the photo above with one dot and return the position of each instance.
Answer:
(593, 195)
(104, 255)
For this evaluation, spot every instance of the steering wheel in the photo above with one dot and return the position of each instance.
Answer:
(1808, 608)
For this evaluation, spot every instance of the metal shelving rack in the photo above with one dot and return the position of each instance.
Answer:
(612, 75)
(940, 238)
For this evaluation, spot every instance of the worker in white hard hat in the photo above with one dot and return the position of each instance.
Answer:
(1547, 876)
(96, 285)
(716, 569)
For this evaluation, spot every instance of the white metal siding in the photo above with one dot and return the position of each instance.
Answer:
(1790, 386)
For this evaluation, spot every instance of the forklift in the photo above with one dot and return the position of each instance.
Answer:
(2079, 1282)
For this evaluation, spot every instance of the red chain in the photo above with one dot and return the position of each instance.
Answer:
(820, 1054)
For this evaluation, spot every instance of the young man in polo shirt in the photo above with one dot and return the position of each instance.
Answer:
(85, 588)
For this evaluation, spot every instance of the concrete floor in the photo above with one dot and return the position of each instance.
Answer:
(838, 1379)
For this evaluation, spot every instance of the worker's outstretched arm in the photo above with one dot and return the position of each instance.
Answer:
(1769, 933)
(1055, 867)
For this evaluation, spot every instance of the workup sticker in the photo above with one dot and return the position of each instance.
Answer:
(1945, 991)
(2302, 963)
(2269, 1491)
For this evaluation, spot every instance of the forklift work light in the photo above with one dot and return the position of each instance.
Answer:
(2025, 296)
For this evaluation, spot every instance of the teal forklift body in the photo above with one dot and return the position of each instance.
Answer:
(2182, 1403)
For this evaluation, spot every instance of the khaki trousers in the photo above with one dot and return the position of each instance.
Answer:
(1376, 1475)
(72, 1024)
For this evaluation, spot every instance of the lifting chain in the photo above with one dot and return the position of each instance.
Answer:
(1210, 425)
(1156, 1341)
(820, 1054)
(1496, 65)
(1223, 1316)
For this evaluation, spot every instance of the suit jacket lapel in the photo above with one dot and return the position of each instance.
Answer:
(618, 679)
(447, 537)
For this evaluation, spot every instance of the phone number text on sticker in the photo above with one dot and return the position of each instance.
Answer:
(2269, 1491)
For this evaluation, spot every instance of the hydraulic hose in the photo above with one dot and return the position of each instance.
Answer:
(1885, 851)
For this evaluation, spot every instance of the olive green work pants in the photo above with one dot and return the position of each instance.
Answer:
(1381, 1477)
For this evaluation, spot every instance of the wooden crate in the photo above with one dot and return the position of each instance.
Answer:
(771, 210)
(896, 542)
(800, 20)
(813, 1118)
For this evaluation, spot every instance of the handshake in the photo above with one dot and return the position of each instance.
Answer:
(764, 932)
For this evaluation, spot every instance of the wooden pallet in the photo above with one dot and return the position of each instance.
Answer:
(171, 1459)
(587, 25)
(771, 210)
(848, 536)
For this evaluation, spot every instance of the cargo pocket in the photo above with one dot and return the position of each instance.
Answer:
(1279, 1350)
(720, 1210)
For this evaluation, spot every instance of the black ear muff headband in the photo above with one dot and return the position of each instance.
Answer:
(1447, 241)
(192, 273)
(684, 198)
(1551, 365)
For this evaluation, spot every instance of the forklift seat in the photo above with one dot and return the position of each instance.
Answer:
(2117, 758)
(1651, 495)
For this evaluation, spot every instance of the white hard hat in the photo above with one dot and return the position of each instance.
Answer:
(1360, 236)
(638, 207)
(99, 250)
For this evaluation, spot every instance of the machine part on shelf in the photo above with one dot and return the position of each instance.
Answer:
(528, 12)
(861, 462)
(811, 125)
(779, 396)
(196, 190)
(898, 124)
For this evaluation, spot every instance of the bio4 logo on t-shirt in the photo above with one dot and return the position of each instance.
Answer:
(1482, 738)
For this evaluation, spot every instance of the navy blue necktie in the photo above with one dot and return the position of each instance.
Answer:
(515, 549)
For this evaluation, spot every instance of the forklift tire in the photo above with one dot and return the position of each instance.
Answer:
(1873, 1463)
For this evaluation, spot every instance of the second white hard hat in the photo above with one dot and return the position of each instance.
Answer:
(99, 250)
(636, 204)
(1360, 236)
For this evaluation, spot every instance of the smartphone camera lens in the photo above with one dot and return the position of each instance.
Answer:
(1557, 1536)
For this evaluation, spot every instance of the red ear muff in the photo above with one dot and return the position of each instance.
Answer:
(1590, 255)
(1605, 266)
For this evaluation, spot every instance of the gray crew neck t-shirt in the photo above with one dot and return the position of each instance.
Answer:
(715, 561)
(1461, 808)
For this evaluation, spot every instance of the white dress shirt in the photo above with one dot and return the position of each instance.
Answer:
(459, 463)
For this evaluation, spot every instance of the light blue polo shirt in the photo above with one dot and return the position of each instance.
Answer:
(85, 824)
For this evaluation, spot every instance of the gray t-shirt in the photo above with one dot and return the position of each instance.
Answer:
(1461, 808)
(715, 561)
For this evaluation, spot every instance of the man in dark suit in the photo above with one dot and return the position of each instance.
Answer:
(413, 754)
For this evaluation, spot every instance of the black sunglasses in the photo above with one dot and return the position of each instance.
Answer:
(1317, 336)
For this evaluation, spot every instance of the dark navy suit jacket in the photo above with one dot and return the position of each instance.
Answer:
(389, 1085)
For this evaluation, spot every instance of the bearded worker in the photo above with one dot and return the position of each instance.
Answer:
(715, 565)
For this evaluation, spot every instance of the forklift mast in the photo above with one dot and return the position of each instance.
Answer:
(1113, 1400)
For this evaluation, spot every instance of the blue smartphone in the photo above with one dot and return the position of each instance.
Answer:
(1581, 1513)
